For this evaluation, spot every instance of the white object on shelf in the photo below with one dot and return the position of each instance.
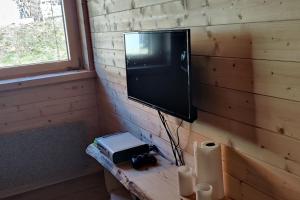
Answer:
(208, 166)
(185, 180)
(203, 191)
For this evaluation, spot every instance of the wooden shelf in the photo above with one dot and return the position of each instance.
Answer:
(46, 79)
(153, 183)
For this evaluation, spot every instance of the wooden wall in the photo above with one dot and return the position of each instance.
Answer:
(246, 60)
(25, 110)
(41, 106)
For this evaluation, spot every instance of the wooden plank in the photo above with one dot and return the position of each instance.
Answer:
(134, 180)
(109, 40)
(51, 92)
(159, 183)
(18, 116)
(86, 102)
(80, 115)
(152, 182)
(32, 112)
(101, 7)
(111, 6)
(112, 74)
(87, 84)
(202, 12)
(228, 12)
(92, 26)
(272, 78)
(74, 102)
(273, 41)
(250, 193)
(96, 7)
(232, 187)
(114, 89)
(274, 114)
(46, 79)
(263, 177)
(143, 3)
(110, 57)
(150, 17)
(270, 40)
(85, 34)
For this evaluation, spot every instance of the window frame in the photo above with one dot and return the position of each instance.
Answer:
(74, 46)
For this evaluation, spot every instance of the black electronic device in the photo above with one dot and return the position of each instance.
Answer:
(159, 72)
(139, 161)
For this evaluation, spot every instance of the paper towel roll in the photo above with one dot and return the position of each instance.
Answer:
(208, 166)
(185, 181)
(203, 191)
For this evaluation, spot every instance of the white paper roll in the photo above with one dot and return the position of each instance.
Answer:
(208, 166)
(203, 191)
(185, 181)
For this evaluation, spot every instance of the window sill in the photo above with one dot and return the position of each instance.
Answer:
(46, 79)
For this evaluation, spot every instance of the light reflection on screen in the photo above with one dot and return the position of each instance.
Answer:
(135, 45)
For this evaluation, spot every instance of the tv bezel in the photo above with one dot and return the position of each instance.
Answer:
(192, 110)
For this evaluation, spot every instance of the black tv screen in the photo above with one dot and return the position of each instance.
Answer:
(158, 71)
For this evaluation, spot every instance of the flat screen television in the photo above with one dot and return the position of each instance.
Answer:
(159, 72)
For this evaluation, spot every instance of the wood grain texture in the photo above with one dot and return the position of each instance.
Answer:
(110, 40)
(245, 55)
(270, 113)
(45, 79)
(259, 143)
(110, 57)
(57, 102)
(233, 132)
(34, 107)
(228, 11)
(277, 40)
(261, 176)
(270, 78)
(147, 184)
(206, 12)
(267, 40)
(100, 7)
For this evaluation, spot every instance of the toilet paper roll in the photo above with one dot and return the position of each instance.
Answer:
(208, 166)
(203, 191)
(185, 181)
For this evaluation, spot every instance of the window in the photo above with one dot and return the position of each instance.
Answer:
(38, 36)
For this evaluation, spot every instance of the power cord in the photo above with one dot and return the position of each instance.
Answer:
(176, 150)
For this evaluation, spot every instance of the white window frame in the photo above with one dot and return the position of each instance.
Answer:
(75, 51)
